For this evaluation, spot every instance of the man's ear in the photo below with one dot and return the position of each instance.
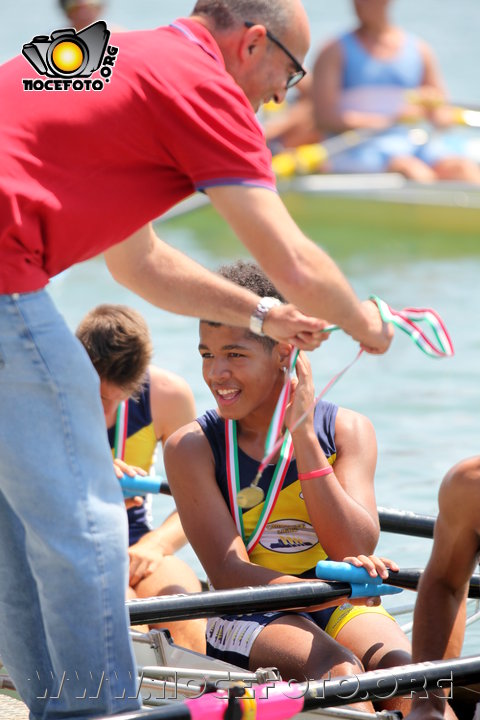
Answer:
(252, 40)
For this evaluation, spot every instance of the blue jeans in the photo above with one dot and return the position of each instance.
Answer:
(63, 529)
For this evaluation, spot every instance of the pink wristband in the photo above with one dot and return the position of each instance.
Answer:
(315, 473)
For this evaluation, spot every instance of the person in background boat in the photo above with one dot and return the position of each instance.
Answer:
(332, 516)
(439, 618)
(379, 79)
(82, 13)
(292, 123)
(151, 403)
(84, 172)
(385, 85)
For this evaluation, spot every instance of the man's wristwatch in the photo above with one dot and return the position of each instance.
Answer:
(258, 316)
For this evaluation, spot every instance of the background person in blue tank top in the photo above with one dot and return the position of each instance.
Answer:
(380, 78)
(333, 515)
(152, 403)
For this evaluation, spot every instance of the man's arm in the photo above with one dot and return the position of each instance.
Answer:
(302, 271)
(171, 280)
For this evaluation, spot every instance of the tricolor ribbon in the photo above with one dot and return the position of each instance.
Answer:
(121, 428)
(408, 320)
(271, 448)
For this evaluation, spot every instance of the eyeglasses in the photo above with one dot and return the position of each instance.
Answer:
(300, 71)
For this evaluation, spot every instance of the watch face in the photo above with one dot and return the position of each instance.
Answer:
(258, 316)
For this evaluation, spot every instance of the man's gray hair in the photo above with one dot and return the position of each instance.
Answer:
(275, 14)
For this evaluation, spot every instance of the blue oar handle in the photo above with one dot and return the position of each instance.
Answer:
(363, 585)
(344, 572)
(364, 590)
(140, 485)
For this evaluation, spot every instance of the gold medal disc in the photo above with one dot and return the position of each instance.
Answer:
(249, 497)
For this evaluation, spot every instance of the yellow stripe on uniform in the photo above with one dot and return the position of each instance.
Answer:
(346, 612)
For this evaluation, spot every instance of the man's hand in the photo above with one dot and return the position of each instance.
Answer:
(286, 323)
(379, 334)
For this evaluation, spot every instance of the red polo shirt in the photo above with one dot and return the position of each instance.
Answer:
(83, 170)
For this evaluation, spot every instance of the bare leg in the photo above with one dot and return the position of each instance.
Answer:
(412, 168)
(132, 595)
(174, 576)
(379, 643)
(458, 168)
(301, 651)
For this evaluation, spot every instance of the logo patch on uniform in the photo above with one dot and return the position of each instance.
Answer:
(288, 536)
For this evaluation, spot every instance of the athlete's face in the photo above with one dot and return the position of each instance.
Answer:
(111, 395)
(82, 13)
(369, 11)
(242, 374)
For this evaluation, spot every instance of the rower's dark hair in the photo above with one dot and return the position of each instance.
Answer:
(275, 14)
(118, 343)
(250, 276)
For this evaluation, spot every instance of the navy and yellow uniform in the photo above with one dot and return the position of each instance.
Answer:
(140, 448)
(289, 543)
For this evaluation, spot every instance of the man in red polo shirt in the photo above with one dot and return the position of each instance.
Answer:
(85, 165)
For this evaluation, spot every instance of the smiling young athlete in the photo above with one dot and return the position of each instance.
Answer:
(321, 497)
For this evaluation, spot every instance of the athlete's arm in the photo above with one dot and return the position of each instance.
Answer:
(205, 516)
(302, 272)
(341, 504)
(171, 402)
(147, 554)
(172, 405)
(171, 280)
(439, 612)
(439, 618)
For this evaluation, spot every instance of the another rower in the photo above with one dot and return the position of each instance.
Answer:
(321, 498)
(143, 406)
(378, 79)
(439, 620)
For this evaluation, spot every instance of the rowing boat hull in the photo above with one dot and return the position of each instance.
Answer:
(357, 214)
(375, 205)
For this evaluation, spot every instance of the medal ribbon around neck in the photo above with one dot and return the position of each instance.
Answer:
(233, 480)
(236, 495)
(121, 427)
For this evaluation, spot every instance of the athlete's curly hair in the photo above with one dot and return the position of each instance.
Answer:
(251, 276)
(275, 14)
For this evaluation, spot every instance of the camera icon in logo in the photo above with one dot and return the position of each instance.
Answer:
(67, 53)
